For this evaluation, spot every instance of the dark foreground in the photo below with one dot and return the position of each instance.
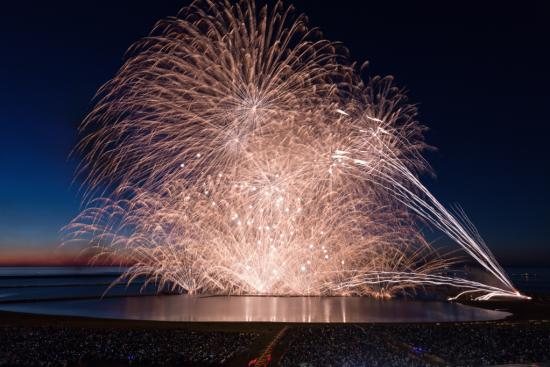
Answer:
(55, 341)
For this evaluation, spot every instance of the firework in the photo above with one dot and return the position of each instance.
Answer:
(238, 152)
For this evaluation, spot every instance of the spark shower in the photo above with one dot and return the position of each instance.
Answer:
(239, 152)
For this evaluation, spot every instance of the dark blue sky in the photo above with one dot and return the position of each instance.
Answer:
(480, 74)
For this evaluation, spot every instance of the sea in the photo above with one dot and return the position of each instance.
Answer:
(47, 283)
(93, 292)
(42, 283)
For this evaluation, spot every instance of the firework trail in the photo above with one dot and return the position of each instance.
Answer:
(237, 151)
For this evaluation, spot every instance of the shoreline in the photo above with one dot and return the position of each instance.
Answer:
(521, 311)
(536, 309)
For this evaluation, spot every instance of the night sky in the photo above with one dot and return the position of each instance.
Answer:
(479, 73)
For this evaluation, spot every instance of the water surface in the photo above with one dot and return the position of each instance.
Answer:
(259, 309)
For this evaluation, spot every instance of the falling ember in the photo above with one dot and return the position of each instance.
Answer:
(245, 155)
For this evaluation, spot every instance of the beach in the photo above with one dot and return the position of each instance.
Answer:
(62, 340)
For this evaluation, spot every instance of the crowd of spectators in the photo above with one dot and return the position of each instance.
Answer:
(461, 344)
(62, 346)
(456, 344)
(342, 346)
(474, 344)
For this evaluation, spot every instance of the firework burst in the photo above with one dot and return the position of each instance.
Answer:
(238, 152)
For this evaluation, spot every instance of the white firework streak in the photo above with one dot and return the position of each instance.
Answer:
(390, 172)
(471, 287)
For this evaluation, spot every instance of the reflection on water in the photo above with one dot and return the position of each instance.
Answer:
(262, 309)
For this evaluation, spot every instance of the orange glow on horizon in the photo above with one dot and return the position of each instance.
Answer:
(56, 256)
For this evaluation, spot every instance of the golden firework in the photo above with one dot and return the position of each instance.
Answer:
(239, 152)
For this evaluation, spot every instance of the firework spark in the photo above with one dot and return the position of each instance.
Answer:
(238, 152)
